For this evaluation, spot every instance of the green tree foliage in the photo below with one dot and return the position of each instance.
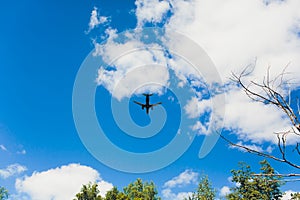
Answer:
(141, 191)
(134, 191)
(112, 194)
(3, 193)
(89, 192)
(264, 186)
(249, 186)
(115, 194)
(205, 191)
(295, 196)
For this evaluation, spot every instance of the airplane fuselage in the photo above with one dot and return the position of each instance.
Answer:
(147, 105)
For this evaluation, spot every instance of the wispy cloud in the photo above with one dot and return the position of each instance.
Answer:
(45, 184)
(96, 19)
(195, 107)
(22, 152)
(12, 170)
(3, 148)
(258, 148)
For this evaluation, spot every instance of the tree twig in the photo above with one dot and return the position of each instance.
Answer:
(268, 92)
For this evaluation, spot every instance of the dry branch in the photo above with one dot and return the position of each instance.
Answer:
(268, 92)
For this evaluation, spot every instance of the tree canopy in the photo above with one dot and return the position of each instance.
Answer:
(137, 190)
(141, 191)
(251, 186)
(247, 185)
(205, 191)
(3, 193)
(89, 192)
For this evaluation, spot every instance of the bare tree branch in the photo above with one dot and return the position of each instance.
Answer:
(259, 153)
(297, 148)
(269, 91)
(281, 175)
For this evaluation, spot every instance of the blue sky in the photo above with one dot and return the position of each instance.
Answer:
(43, 46)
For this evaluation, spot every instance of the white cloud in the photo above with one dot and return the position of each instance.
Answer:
(242, 116)
(202, 128)
(3, 148)
(254, 147)
(134, 66)
(60, 183)
(212, 109)
(191, 108)
(170, 98)
(96, 19)
(234, 34)
(23, 152)
(168, 194)
(104, 187)
(224, 191)
(183, 195)
(287, 195)
(150, 11)
(185, 178)
(12, 170)
(195, 107)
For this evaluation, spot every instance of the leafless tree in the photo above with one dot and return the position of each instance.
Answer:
(270, 91)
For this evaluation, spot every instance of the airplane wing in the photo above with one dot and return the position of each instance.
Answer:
(156, 104)
(139, 103)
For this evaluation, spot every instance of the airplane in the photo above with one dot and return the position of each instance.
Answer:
(147, 105)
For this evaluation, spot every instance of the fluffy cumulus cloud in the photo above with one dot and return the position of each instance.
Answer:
(234, 34)
(60, 183)
(151, 11)
(185, 178)
(241, 115)
(12, 170)
(130, 62)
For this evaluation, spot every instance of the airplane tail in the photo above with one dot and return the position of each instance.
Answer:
(147, 94)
